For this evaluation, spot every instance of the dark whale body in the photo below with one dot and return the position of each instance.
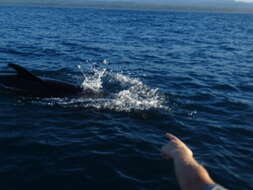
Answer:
(26, 84)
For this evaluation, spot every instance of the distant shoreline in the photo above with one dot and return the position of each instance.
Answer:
(136, 6)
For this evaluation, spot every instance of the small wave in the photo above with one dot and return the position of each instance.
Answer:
(120, 93)
(246, 87)
(14, 51)
(225, 87)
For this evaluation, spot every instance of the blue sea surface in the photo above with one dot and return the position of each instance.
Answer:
(190, 74)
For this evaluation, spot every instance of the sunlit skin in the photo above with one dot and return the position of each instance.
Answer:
(190, 174)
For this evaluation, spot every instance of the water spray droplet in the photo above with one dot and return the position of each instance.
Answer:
(105, 62)
(81, 69)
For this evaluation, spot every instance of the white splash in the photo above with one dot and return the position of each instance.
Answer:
(94, 82)
(137, 96)
(123, 93)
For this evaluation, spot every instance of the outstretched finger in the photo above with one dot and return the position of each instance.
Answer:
(171, 136)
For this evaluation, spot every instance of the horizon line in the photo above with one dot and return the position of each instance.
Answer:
(135, 6)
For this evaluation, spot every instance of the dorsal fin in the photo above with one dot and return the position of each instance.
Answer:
(23, 73)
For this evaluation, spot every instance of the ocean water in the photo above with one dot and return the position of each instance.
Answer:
(190, 74)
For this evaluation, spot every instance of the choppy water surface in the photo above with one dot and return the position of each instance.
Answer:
(185, 73)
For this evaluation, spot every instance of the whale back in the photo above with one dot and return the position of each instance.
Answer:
(28, 84)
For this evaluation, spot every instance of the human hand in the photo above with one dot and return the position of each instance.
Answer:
(175, 148)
